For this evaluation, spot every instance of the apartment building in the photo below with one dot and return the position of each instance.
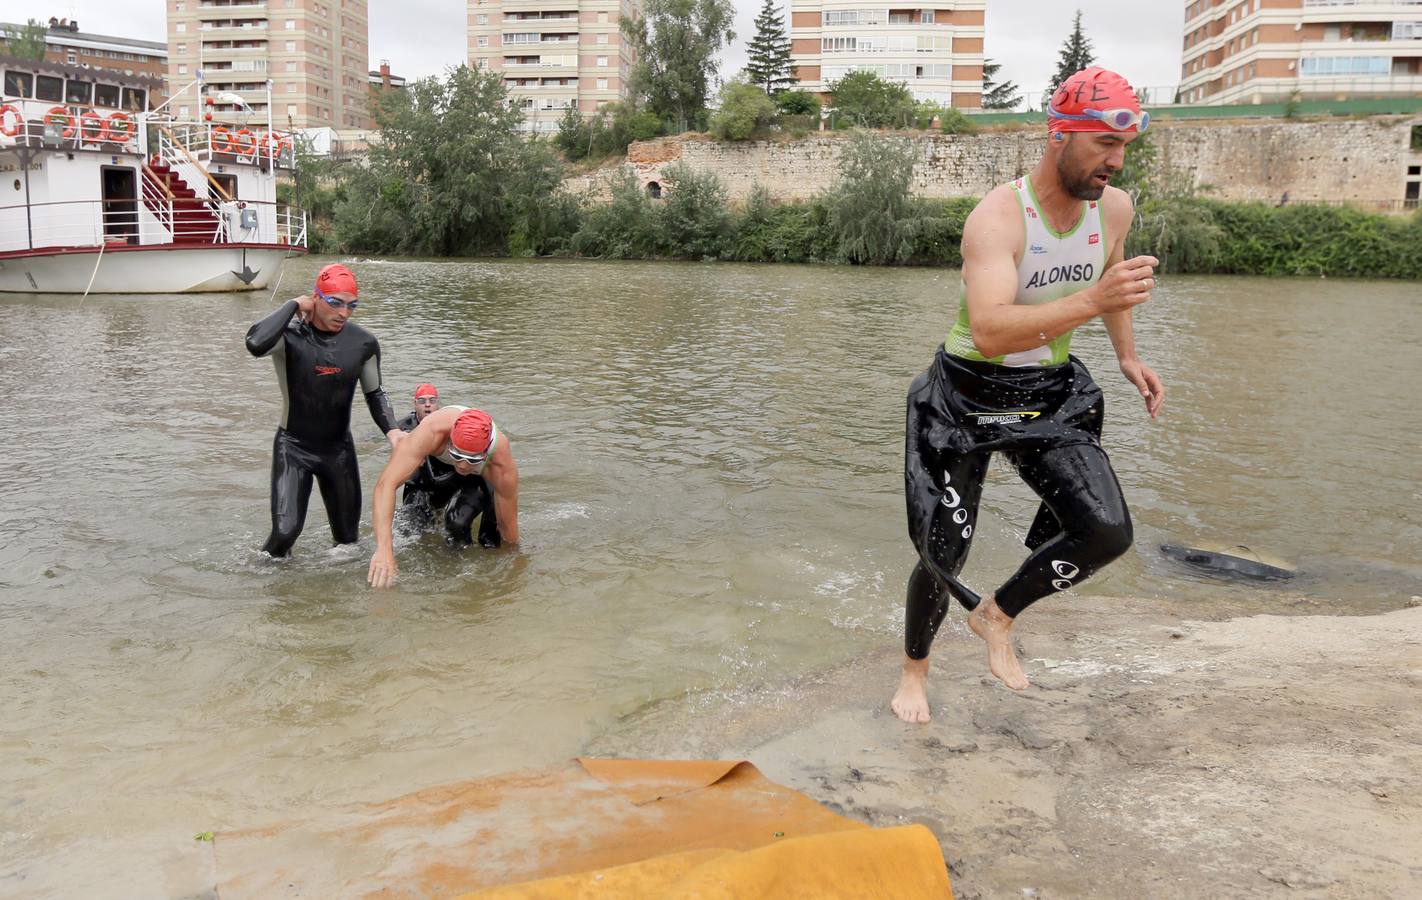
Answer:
(316, 53)
(553, 54)
(934, 48)
(65, 44)
(1255, 51)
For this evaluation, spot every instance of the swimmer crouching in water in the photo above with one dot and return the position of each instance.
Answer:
(465, 439)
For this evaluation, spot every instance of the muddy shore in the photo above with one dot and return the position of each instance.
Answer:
(1266, 756)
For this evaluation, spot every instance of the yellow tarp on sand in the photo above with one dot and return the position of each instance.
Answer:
(592, 828)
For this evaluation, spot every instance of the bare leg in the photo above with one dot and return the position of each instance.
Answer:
(910, 701)
(994, 626)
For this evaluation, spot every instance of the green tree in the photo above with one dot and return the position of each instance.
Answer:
(745, 109)
(798, 103)
(693, 221)
(27, 41)
(871, 212)
(768, 55)
(677, 42)
(955, 121)
(866, 100)
(1076, 54)
(998, 94)
(452, 174)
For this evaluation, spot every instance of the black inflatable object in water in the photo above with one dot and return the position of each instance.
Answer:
(1230, 563)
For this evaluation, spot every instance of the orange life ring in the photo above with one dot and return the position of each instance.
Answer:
(220, 133)
(120, 128)
(5, 127)
(275, 143)
(58, 114)
(91, 127)
(244, 142)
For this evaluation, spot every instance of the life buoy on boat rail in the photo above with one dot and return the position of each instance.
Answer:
(119, 129)
(59, 116)
(92, 129)
(6, 128)
(221, 140)
(244, 142)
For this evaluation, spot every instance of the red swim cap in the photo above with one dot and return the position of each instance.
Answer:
(426, 390)
(336, 279)
(1095, 89)
(472, 432)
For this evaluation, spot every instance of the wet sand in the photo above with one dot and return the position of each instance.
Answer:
(1254, 757)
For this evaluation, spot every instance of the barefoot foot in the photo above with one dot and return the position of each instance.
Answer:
(910, 701)
(994, 627)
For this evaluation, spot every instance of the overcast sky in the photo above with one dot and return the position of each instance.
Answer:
(1138, 38)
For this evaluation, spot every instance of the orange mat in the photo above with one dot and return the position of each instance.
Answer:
(591, 828)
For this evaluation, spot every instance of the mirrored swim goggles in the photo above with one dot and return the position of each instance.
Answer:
(432, 398)
(336, 303)
(1119, 119)
(475, 459)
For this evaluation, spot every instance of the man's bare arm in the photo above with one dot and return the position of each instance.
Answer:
(503, 477)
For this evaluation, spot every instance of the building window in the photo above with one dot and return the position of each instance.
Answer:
(291, 87)
(290, 25)
(182, 48)
(926, 16)
(182, 112)
(602, 39)
(602, 18)
(181, 27)
(1343, 65)
(481, 41)
(602, 84)
(73, 60)
(291, 46)
(180, 6)
(182, 70)
(291, 67)
(291, 109)
(602, 60)
(482, 19)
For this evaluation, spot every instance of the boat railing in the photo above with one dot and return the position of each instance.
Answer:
(81, 224)
(70, 128)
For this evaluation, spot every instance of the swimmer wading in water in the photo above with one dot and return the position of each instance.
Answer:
(320, 357)
(1041, 256)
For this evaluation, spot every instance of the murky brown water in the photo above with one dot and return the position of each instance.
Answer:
(711, 465)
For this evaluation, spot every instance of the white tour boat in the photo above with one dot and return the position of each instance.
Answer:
(103, 195)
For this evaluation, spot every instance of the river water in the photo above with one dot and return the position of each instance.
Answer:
(711, 506)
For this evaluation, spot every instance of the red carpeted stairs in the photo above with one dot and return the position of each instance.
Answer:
(193, 219)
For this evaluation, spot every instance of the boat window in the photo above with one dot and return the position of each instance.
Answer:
(48, 87)
(133, 99)
(106, 95)
(79, 92)
(19, 84)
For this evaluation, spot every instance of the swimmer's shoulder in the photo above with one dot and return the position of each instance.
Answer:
(1118, 208)
(996, 220)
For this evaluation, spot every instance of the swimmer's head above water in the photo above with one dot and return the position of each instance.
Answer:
(426, 401)
(1091, 118)
(471, 440)
(335, 295)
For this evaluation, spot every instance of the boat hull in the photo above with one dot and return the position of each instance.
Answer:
(145, 269)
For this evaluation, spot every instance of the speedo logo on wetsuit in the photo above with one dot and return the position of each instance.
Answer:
(1077, 272)
(328, 370)
(1004, 418)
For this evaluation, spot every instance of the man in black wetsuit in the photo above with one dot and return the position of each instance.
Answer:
(436, 485)
(320, 356)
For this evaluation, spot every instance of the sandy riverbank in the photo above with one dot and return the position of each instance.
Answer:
(1153, 757)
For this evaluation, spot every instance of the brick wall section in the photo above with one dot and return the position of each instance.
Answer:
(1349, 160)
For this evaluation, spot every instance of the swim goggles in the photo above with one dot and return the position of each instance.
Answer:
(337, 303)
(1119, 119)
(474, 459)
(430, 399)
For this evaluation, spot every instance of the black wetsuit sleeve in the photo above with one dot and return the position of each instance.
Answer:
(264, 335)
(380, 408)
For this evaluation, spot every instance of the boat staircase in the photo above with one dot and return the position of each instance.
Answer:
(181, 194)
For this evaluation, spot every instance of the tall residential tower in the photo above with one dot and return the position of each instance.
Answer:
(935, 48)
(315, 52)
(553, 54)
(1248, 51)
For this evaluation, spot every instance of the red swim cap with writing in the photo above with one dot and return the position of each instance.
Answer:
(1094, 88)
(336, 279)
(472, 431)
(426, 390)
